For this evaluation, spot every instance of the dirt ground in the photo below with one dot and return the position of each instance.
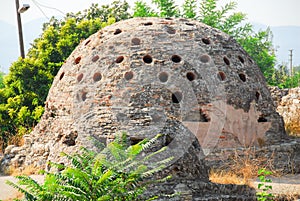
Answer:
(284, 185)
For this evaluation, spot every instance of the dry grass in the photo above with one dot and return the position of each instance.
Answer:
(1, 146)
(293, 128)
(287, 197)
(17, 140)
(18, 196)
(242, 168)
(225, 177)
(28, 170)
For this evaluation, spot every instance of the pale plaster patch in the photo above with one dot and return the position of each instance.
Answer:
(229, 127)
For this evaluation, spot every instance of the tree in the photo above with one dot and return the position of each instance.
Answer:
(27, 84)
(258, 45)
(189, 9)
(167, 8)
(141, 9)
(1, 80)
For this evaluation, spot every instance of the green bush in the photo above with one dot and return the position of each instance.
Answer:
(118, 172)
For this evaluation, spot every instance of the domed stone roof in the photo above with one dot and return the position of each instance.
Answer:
(147, 76)
(178, 77)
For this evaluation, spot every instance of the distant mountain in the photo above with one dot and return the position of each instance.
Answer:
(287, 38)
(284, 39)
(8, 45)
(33, 30)
(9, 40)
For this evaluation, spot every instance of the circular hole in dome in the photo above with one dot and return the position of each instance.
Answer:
(83, 96)
(117, 31)
(189, 24)
(97, 76)
(250, 60)
(77, 60)
(191, 76)
(95, 58)
(168, 18)
(61, 75)
(119, 59)
(221, 76)
(206, 41)
(87, 42)
(176, 58)
(79, 77)
(226, 60)
(204, 58)
(147, 59)
(257, 95)
(171, 30)
(168, 140)
(128, 75)
(163, 77)
(241, 59)
(148, 24)
(136, 41)
(242, 76)
(176, 97)
(262, 119)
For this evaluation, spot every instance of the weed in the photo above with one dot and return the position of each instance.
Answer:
(264, 185)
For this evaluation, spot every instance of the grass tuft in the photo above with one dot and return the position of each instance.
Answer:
(17, 171)
(242, 168)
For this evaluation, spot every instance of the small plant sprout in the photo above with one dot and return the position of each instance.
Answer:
(264, 186)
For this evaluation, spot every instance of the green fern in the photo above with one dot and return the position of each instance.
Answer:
(118, 172)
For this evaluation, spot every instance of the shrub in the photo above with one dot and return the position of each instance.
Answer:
(118, 172)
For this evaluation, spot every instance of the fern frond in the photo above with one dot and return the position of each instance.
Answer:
(153, 171)
(154, 153)
(104, 177)
(27, 194)
(151, 142)
(30, 183)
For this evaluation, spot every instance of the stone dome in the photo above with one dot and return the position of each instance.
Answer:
(147, 76)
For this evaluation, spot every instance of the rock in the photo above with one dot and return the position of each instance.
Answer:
(9, 148)
(289, 109)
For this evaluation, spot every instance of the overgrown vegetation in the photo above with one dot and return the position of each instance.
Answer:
(118, 172)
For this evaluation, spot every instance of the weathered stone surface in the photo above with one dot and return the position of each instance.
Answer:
(289, 109)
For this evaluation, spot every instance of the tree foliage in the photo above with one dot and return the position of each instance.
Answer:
(118, 172)
(258, 45)
(1, 80)
(27, 84)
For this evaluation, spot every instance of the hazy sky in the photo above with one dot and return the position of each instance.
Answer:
(269, 12)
